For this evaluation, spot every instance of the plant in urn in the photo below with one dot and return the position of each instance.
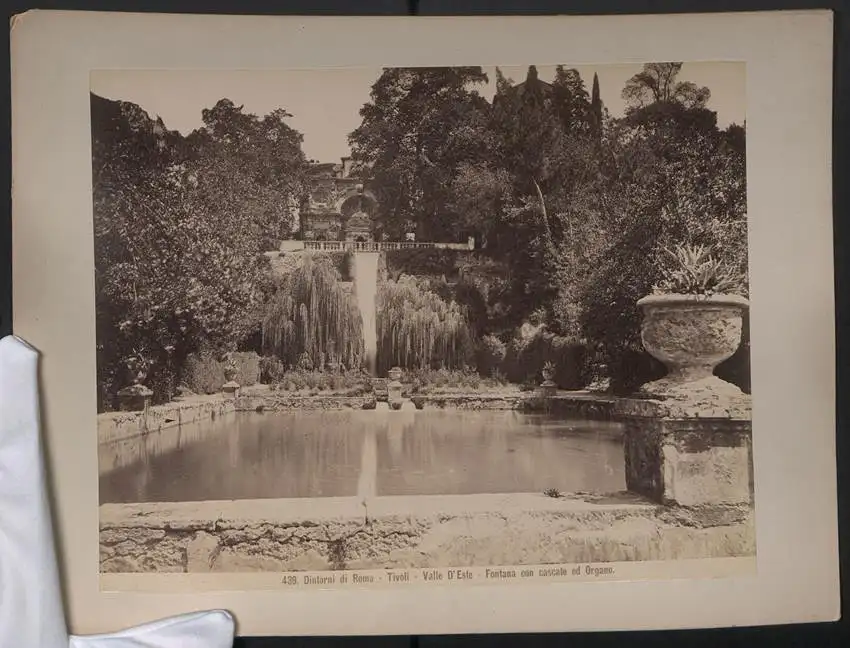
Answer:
(692, 322)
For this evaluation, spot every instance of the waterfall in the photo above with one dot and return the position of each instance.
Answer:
(366, 290)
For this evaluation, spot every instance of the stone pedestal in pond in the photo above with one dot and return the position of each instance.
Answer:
(394, 388)
(134, 398)
(688, 436)
(394, 397)
(231, 389)
(548, 389)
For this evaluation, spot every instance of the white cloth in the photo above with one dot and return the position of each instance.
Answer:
(31, 612)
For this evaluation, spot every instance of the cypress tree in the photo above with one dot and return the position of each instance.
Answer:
(596, 106)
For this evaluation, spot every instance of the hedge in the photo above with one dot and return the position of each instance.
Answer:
(204, 373)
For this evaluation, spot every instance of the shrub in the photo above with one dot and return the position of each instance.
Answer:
(342, 384)
(203, 373)
(490, 355)
(422, 261)
(272, 370)
(527, 355)
(430, 381)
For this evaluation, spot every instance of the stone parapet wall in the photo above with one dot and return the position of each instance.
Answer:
(116, 426)
(691, 449)
(407, 532)
(272, 401)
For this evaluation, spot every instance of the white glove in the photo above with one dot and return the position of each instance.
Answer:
(31, 613)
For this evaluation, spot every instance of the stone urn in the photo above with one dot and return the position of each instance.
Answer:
(394, 374)
(230, 388)
(548, 388)
(135, 397)
(230, 371)
(691, 335)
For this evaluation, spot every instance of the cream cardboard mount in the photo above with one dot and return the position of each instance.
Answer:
(683, 536)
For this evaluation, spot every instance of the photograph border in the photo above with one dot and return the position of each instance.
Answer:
(794, 46)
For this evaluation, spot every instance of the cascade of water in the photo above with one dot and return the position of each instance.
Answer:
(366, 289)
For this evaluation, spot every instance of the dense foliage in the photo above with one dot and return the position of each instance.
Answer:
(576, 207)
(180, 227)
(573, 213)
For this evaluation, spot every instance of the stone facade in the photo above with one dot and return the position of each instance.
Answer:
(338, 207)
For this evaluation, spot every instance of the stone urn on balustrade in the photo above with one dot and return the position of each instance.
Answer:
(691, 334)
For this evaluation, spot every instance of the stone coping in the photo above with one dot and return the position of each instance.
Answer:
(717, 299)
(187, 403)
(705, 405)
(327, 509)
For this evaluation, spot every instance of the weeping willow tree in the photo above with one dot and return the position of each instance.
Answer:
(313, 314)
(417, 329)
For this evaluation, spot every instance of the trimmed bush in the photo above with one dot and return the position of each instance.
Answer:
(272, 370)
(348, 383)
(526, 356)
(204, 372)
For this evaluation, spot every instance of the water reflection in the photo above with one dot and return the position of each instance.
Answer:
(365, 453)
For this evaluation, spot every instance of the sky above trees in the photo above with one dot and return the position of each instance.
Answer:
(325, 104)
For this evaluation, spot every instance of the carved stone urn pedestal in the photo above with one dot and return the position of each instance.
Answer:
(688, 436)
(135, 397)
(231, 387)
(548, 388)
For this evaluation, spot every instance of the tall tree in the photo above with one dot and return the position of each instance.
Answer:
(657, 83)
(596, 106)
(418, 127)
(669, 176)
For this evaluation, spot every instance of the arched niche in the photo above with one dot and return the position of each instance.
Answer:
(357, 200)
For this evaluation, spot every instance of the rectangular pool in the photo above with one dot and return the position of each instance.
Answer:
(366, 453)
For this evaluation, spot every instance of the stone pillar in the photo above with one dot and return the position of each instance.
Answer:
(688, 454)
(394, 387)
(231, 371)
(135, 398)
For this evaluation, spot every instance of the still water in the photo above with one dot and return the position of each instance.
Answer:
(366, 453)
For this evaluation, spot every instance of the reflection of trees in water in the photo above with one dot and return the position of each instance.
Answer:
(313, 454)
(481, 452)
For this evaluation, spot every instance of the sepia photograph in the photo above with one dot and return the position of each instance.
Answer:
(402, 322)
(348, 334)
